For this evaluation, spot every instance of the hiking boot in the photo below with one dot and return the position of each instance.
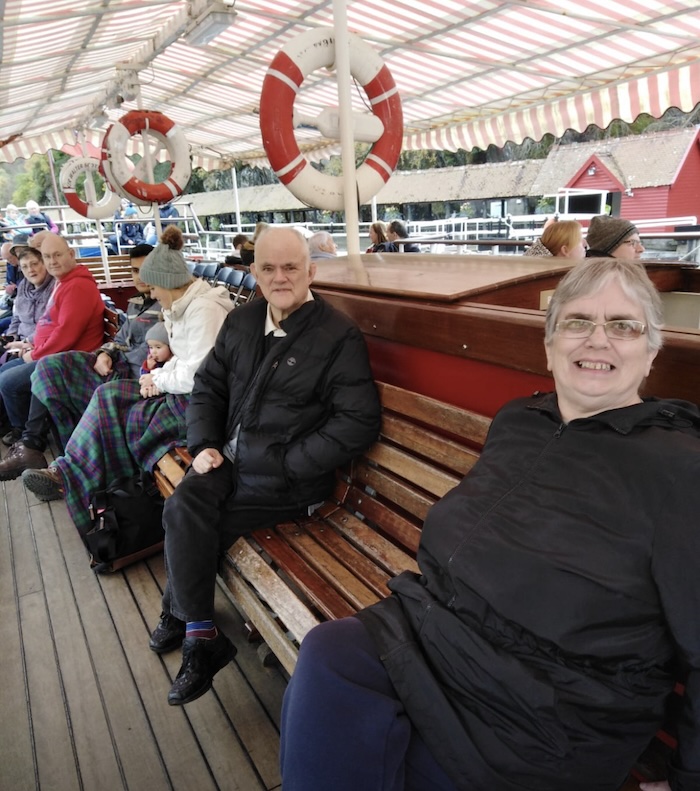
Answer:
(12, 436)
(46, 484)
(168, 635)
(20, 458)
(201, 661)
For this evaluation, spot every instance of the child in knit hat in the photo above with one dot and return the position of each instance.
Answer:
(159, 351)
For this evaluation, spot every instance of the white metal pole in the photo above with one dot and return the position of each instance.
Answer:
(347, 142)
(91, 195)
(236, 202)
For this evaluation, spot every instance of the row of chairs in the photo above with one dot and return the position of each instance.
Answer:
(240, 284)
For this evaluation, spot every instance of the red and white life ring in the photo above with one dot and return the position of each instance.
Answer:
(309, 51)
(101, 209)
(118, 169)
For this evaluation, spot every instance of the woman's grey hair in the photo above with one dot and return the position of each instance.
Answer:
(590, 276)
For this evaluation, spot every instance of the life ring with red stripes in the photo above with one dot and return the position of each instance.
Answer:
(70, 172)
(119, 171)
(304, 54)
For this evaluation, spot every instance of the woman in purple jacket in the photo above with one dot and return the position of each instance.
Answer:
(33, 293)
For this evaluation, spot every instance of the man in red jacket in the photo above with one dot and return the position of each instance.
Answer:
(73, 320)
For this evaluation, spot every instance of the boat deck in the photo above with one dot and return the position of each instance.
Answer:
(82, 697)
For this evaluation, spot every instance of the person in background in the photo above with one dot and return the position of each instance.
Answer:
(168, 215)
(131, 233)
(38, 239)
(39, 220)
(74, 319)
(31, 300)
(322, 245)
(129, 424)
(396, 231)
(613, 237)
(248, 248)
(13, 218)
(234, 258)
(558, 594)
(9, 252)
(560, 239)
(380, 243)
(159, 351)
(284, 398)
(63, 384)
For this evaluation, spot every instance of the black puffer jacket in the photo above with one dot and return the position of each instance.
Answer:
(304, 407)
(561, 582)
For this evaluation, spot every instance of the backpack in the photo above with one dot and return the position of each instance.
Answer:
(127, 523)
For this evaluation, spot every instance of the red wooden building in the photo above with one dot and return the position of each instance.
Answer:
(648, 176)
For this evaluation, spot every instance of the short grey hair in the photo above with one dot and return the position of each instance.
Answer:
(590, 276)
(303, 245)
(320, 241)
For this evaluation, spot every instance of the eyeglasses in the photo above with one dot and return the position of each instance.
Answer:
(633, 242)
(618, 329)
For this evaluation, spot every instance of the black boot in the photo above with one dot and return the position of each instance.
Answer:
(168, 635)
(201, 661)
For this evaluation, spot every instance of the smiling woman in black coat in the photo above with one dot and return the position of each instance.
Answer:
(558, 596)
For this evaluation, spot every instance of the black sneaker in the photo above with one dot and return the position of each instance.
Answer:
(201, 661)
(168, 635)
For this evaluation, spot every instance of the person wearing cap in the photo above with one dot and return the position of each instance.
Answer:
(159, 351)
(130, 423)
(63, 383)
(74, 319)
(10, 252)
(613, 237)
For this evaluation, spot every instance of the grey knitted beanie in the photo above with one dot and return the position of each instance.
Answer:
(158, 333)
(165, 267)
(606, 233)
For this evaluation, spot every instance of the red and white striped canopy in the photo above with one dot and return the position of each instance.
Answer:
(470, 72)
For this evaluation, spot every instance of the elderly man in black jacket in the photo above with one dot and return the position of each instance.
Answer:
(284, 398)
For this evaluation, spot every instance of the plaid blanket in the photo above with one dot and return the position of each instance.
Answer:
(65, 382)
(118, 433)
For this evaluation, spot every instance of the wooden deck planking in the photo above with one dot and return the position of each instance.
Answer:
(87, 696)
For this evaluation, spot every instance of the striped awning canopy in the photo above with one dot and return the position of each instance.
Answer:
(469, 72)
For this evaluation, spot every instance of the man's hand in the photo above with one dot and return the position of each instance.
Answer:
(207, 460)
(27, 356)
(10, 289)
(103, 364)
(663, 786)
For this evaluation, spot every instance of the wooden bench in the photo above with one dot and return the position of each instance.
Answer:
(119, 268)
(332, 564)
(339, 560)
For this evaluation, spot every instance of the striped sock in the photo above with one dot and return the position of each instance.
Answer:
(202, 629)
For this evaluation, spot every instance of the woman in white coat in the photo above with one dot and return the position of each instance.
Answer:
(129, 424)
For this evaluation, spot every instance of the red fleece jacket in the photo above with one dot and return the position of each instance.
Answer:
(73, 317)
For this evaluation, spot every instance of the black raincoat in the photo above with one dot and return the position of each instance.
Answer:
(559, 599)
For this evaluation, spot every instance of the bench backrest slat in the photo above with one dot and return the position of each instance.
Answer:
(352, 589)
(423, 442)
(322, 595)
(451, 419)
(372, 577)
(372, 544)
(396, 491)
